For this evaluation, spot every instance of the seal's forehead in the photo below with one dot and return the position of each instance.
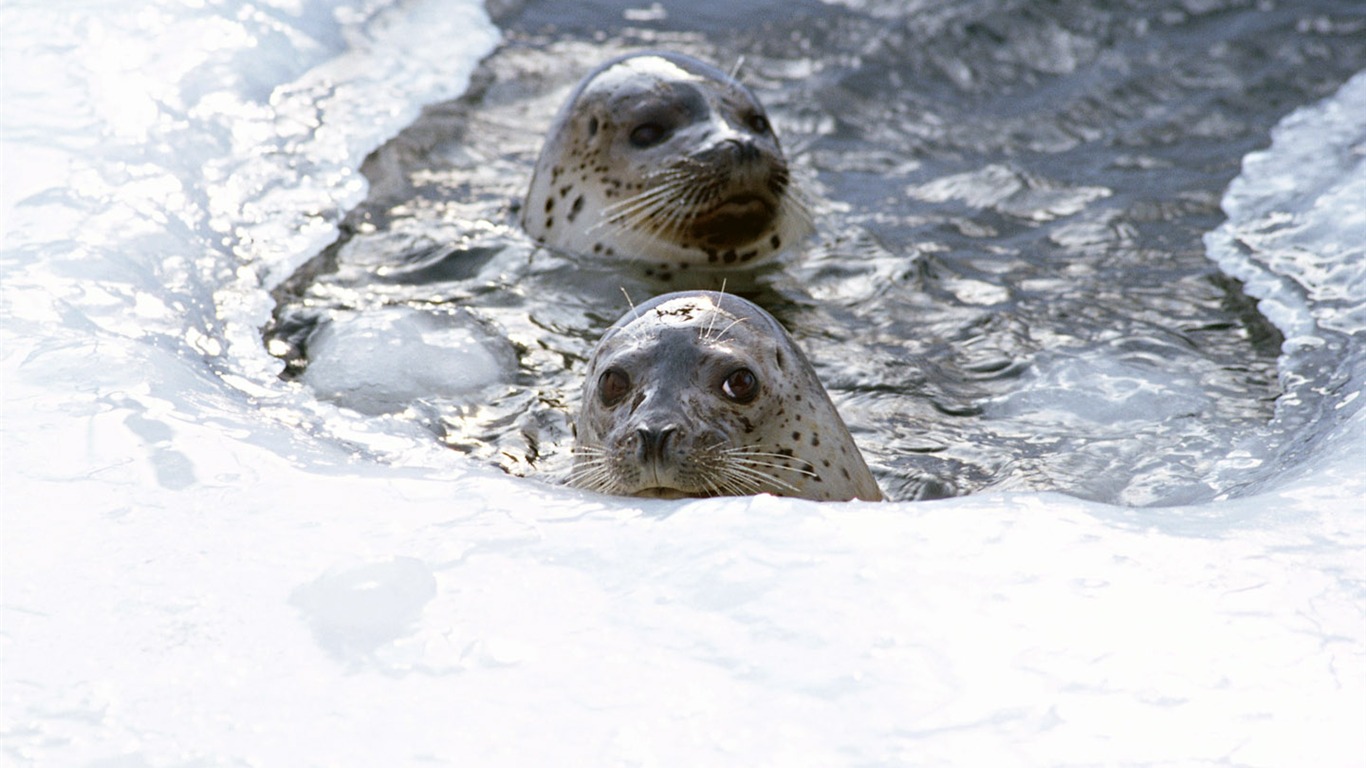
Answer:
(637, 68)
(688, 310)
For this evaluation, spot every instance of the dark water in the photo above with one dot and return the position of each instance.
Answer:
(1008, 287)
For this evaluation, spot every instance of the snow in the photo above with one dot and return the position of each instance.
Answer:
(203, 565)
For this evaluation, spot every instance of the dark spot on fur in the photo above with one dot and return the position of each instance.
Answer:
(775, 241)
(576, 207)
(549, 222)
(797, 436)
(592, 126)
(845, 472)
(747, 255)
(565, 189)
(815, 439)
(729, 257)
(782, 362)
(549, 204)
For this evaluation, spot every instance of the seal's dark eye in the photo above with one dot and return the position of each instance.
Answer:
(648, 135)
(613, 385)
(741, 385)
(759, 124)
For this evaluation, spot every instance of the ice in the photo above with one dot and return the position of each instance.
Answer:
(1298, 206)
(384, 360)
(204, 565)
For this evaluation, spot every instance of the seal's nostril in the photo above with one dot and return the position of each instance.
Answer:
(654, 443)
(744, 149)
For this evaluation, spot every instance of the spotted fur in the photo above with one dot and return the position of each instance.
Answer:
(660, 158)
(705, 394)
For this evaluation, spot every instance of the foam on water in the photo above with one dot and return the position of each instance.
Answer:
(206, 566)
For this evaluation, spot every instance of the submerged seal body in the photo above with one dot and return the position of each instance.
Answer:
(705, 394)
(660, 158)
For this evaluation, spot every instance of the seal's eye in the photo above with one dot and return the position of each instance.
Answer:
(759, 124)
(741, 385)
(613, 385)
(648, 135)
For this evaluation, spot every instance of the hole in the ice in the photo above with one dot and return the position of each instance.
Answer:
(1022, 302)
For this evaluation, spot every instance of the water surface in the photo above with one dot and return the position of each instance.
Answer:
(1009, 287)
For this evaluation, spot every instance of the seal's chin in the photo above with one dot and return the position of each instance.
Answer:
(665, 493)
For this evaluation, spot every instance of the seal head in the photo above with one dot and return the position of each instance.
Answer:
(660, 158)
(705, 394)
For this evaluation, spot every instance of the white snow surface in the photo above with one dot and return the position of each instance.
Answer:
(205, 566)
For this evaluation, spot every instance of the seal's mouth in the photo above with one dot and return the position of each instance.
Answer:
(735, 220)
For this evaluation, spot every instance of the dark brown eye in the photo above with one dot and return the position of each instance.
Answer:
(613, 385)
(648, 135)
(759, 124)
(741, 385)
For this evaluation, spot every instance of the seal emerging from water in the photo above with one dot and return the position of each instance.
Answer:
(705, 394)
(660, 158)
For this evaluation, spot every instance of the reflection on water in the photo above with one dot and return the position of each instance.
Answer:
(1008, 287)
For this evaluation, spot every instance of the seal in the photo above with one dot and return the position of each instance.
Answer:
(660, 158)
(700, 393)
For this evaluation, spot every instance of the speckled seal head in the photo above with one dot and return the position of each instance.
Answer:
(662, 159)
(705, 394)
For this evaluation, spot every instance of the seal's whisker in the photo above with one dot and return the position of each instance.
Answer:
(666, 189)
(679, 213)
(629, 303)
(752, 458)
(724, 331)
(805, 472)
(662, 217)
(758, 478)
(711, 483)
(735, 70)
(585, 469)
(751, 450)
(705, 334)
(633, 211)
(729, 484)
(801, 202)
(649, 195)
(600, 482)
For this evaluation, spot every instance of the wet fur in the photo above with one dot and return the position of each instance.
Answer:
(789, 441)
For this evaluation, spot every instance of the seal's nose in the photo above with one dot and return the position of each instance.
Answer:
(745, 149)
(654, 442)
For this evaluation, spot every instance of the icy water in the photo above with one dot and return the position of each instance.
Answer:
(1009, 288)
(205, 563)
